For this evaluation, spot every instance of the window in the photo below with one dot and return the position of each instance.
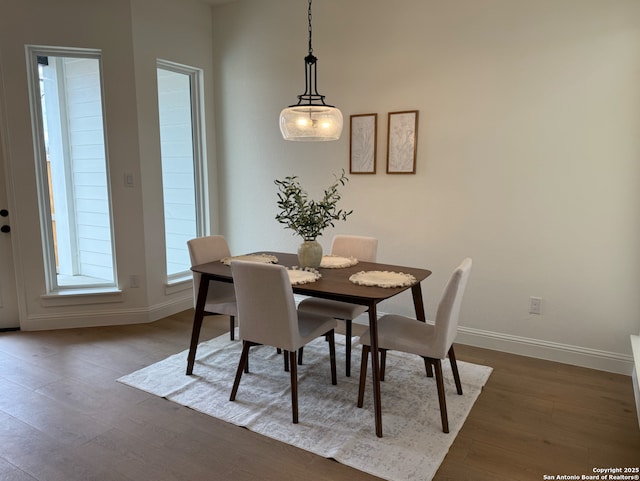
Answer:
(72, 172)
(182, 165)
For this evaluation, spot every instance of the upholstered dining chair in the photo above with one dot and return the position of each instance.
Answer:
(221, 298)
(431, 342)
(364, 249)
(267, 315)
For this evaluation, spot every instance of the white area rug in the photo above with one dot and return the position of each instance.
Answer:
(330, 424)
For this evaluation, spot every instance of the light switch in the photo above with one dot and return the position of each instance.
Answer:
(128, 180)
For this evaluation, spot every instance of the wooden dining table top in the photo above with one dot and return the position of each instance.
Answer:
(334, 283)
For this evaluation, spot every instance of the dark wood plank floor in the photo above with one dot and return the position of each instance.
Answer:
(64, 417)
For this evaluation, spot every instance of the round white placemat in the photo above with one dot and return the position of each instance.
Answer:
(383, 279)
(305, 275)
(337, 262)
(262, 258)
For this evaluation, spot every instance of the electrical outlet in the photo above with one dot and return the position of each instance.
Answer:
(134, 281)
(535, 305)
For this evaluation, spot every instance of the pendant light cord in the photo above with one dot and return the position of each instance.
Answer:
(311, 118)
(309, 15)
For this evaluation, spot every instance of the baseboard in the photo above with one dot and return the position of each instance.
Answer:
(112, 317)
(550, 351)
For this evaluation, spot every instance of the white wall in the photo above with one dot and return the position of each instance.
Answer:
(528, 152)
(180, 32)
(131, 35)
(73, 23)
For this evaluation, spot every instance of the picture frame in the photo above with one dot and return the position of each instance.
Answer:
(363, 143)
(402, 142)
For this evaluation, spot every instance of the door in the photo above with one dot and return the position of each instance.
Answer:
(8, 298)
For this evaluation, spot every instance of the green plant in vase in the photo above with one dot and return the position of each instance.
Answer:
(307, 217)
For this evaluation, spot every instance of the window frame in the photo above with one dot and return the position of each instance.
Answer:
(201, 192)
(53, 287)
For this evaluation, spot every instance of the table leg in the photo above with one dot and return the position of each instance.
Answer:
(418, 303)
(203, 289)
(375, 367)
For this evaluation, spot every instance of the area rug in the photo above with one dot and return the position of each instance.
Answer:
(330, 424)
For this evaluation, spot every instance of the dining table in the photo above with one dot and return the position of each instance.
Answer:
(335, 284)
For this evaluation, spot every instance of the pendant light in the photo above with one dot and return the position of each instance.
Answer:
(311, 119)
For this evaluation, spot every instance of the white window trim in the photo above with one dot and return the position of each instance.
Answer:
(54, 290)
(180, 280)
(79, 297)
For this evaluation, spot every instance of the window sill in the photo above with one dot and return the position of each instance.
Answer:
(179, 284)
(70, 297)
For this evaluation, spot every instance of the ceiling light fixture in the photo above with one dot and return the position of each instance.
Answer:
(311, 119)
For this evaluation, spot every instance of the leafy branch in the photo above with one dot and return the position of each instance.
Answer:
(307, 217)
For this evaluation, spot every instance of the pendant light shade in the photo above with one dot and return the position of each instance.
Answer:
(311, 122)
(311, 119)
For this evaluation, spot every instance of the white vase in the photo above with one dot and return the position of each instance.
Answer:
(310, 254)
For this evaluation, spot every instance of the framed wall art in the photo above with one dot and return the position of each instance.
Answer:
(402, 142)
(363, 144)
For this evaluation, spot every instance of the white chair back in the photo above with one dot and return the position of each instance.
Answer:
(361, 247)
(447, 316)
(267, 312)
(209, 249)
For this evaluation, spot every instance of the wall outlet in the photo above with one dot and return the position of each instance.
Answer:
(535, 305)
(134, 281)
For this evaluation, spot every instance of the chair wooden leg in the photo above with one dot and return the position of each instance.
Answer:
(454, 369)
(241, 365)
(300, 351)
(286, 361)
(363, 374)
(428, 367)
(441, 399)
(294, 385)
(332, 357)
(232, 327)
(349, 329)
(383, 363)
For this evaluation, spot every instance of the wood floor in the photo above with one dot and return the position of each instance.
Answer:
(64, 417)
